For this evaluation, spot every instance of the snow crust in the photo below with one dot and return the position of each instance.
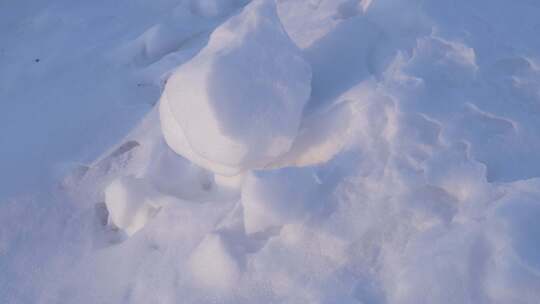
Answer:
(230, 151)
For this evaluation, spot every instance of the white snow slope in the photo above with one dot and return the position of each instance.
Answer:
(289, 151)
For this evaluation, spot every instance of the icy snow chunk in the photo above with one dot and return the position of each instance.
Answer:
(213, 266)
(131, 202)
(237, 105)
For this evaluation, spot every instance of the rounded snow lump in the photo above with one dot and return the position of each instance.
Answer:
(237, 105)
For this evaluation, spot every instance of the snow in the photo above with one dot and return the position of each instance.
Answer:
(272, 199)
(224, 111)
(213, 266)
(289, 151)
(129, 204)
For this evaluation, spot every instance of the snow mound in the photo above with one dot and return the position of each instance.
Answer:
(237, 105)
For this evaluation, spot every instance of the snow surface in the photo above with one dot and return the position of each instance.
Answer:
(302, 151)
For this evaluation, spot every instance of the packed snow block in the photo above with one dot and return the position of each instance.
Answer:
(131, 202)
(237, 105)
(274, 198)
(213, 266)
